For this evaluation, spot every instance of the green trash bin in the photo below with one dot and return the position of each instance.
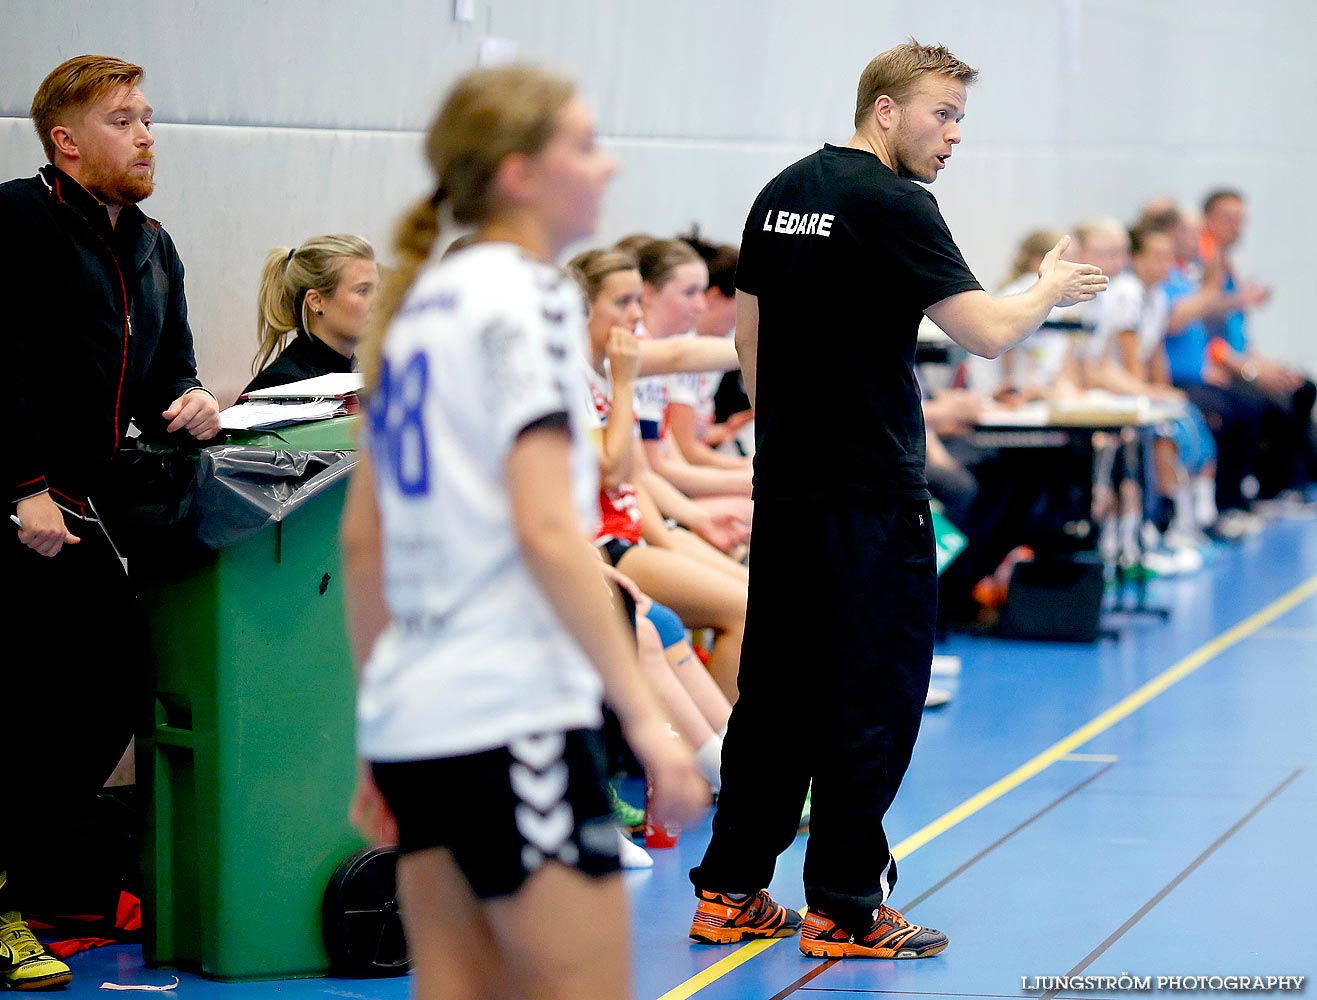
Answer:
(336, 434)
(249, 757)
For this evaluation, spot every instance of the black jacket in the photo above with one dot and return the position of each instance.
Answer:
(101, 336)
(305, 356)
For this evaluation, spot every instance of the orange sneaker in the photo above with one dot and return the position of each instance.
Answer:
(719, 919)
(890, 936)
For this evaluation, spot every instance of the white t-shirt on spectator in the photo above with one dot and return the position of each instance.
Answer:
(684, 387)
(1085, 318)
(696, 390)
(706, 389)
(487, 343)
(1128, 305)
(1038, 358)
(651, 401)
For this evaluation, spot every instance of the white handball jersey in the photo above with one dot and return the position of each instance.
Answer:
(650, 401)
(1128, 305)
(683, 388)
(486, 343)
(1038, 359)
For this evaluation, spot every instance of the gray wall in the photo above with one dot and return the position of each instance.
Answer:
(285, 118)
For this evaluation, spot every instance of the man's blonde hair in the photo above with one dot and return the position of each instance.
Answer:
(74, 85)
(897, 73)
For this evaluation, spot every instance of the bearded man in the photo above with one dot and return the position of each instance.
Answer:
(98, 339)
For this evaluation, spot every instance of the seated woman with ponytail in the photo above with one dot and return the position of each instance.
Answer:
(312, 309)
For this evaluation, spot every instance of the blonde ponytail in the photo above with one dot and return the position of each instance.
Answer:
(275, 318)
(288, 275)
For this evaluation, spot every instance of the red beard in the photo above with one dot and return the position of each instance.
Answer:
(115, 186)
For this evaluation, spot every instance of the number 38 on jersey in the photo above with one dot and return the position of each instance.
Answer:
(397, 425)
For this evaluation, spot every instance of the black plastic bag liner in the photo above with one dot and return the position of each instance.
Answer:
(210, 498)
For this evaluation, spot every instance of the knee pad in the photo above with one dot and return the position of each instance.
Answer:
(670, 629)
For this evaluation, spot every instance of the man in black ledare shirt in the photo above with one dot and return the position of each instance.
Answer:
(846, 243)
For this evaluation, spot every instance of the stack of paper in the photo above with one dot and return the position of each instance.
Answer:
(310, 399)
(266, 413)
(337, 384)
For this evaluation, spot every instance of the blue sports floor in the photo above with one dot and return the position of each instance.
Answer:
(1136, 807)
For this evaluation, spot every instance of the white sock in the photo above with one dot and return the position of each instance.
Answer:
(722, 733)
(709, 759)
(1108, 543)
(1205, 500)
(1185, 521)
(1129, 531)
(631, 854)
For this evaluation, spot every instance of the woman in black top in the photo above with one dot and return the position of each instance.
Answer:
(319, 293)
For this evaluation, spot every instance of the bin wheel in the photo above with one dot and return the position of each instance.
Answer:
(362, 928)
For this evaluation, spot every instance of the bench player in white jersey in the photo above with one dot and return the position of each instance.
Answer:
(476, 608)
(675, 278)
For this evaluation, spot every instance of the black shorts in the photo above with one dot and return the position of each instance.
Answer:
(503, 813)
(615, 548)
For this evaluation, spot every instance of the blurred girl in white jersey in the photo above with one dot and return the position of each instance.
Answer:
(476, 609)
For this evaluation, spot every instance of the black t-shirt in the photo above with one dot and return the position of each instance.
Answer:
(305, 356)
(844, 257)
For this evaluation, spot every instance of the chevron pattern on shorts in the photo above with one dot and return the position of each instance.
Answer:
(538, 775)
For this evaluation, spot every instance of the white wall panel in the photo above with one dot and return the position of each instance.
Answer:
(226, 195)
(304, 63)
(284, 118)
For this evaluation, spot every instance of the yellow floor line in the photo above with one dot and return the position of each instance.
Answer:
(1125, 707)
(719, 969)
(1107, 719)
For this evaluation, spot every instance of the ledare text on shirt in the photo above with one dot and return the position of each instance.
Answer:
(798, 223)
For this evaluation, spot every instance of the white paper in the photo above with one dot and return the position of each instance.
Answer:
(1031, 414)
(148, 989)
(333, 384)
(256, 415)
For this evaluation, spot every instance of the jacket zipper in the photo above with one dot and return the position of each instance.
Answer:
(127, 322)
(127, 337)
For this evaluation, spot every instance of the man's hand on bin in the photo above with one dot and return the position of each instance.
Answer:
(195, 412)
